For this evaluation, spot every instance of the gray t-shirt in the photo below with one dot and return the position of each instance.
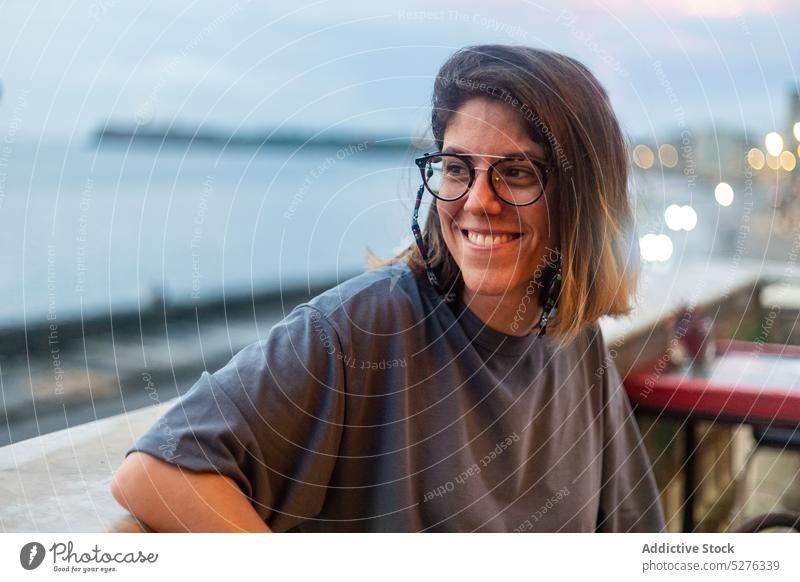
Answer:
(376, 407)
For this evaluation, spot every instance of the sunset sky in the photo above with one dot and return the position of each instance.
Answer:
(66, 69)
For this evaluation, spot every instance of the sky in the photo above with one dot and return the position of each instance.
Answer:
(67, 68)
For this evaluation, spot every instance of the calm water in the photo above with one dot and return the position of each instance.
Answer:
(114, 228)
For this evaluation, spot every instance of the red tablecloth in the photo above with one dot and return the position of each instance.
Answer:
(750, 383)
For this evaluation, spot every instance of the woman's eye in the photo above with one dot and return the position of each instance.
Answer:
(518, 173)
(455, 169)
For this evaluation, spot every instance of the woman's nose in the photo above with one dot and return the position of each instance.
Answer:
(481, 198)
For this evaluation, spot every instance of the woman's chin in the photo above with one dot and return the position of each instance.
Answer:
(487, 284)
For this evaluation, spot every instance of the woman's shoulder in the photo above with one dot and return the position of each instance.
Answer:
(588, 343)
(371, 309)
(588, 353)
(373, 299)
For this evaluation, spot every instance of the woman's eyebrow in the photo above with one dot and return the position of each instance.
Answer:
(512, 154)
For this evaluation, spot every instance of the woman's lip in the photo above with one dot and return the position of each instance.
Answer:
(500, 246)
(489, 231)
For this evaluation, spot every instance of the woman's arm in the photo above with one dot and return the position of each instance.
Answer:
(170, 499)
(270, 420)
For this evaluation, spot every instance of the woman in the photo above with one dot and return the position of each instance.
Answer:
(425, 395)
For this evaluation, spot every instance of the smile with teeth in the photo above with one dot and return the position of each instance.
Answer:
(489, 240)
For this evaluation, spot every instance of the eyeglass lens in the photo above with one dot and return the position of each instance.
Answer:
(449, 177)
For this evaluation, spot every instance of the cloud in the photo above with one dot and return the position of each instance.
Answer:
(703, 8)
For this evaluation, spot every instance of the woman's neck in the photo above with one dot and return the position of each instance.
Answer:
(513, 313)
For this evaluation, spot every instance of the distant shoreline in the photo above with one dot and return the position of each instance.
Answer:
(119, 134)
(32, 338)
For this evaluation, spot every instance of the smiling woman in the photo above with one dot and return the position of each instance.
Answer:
(490, 424)
(550, 109)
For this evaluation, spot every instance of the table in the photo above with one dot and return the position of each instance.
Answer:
(748, 383)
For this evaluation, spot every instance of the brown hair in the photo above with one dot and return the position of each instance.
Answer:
(568, 111)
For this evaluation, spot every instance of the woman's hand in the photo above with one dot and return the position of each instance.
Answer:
(168, 498)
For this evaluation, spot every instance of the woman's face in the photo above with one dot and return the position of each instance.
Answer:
(516, 240)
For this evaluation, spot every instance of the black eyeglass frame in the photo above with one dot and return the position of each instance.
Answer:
(544, 168)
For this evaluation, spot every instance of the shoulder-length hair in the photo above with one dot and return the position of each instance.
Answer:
(568, 112)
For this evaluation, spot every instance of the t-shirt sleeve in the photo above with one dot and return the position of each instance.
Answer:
(271, 420)
(629, 499)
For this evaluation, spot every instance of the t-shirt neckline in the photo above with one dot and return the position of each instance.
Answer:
(498, 342)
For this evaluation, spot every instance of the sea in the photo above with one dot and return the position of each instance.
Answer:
(87, 229)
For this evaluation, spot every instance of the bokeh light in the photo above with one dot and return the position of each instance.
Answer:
(788, 161)
(668, 155)
(724, 194)
(755, 157)
(680, 217)
(774, 143)
(773, 162)
(643, 156)
(655, 247)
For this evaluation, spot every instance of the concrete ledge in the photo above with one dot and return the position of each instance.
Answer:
(60, 482)
(729, 297)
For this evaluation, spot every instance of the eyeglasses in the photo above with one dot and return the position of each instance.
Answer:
(517, 180)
